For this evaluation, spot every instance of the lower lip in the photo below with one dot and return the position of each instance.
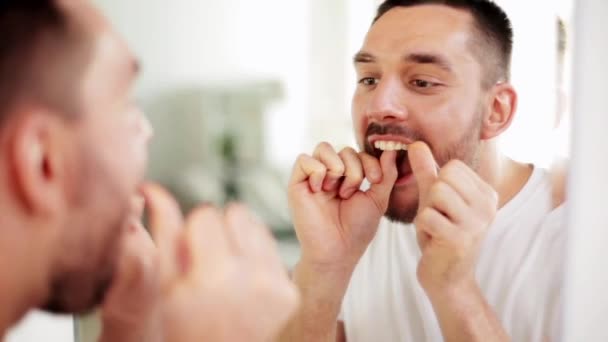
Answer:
(405, 180)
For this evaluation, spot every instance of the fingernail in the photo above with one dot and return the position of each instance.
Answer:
(330, 184)
(375, 177)
(347, 193)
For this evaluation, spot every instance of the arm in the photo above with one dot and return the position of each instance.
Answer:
(464, 315)
(340, 333)
(321, 293)
(456, 207)
(335, 222)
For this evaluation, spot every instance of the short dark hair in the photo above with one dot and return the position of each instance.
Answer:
(562, 39)
(36, 46)
(494, 29)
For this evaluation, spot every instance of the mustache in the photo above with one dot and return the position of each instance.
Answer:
(389, 129)
(377, 129)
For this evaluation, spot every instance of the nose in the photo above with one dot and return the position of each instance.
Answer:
(144, 127)
(387, 102)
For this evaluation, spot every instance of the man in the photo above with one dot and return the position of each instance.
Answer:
(72, 156)
(483, 258)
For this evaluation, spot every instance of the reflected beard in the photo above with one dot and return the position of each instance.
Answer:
(403, 203)
(66, 299)
(397, 212)
(80, 285)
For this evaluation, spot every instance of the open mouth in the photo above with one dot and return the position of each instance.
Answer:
(403, 164)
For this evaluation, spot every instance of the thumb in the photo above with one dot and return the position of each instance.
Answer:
(380, 192)
(135, 282)
(424, 169)
(165, 224)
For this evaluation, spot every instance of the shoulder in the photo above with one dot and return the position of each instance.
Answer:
(559, 176)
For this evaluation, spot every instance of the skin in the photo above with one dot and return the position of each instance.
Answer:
(219, 266)
(48, 161)
(73, 198)
(420, 84)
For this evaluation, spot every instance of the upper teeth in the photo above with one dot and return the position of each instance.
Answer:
(390, 146)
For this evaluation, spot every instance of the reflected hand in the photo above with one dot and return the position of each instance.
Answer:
(333, 218)
(456, 207)
(222, 278)
(130, 312)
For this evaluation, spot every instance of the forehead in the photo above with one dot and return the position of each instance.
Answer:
(111, 66)
(434, 29)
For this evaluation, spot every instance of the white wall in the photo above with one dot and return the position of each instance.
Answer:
(38, 326)
(202, 42)
(533, 75)
(308, 46)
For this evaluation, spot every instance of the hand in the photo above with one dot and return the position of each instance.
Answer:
(334, 220)
(221, 276)
(130, 311)
(456, 207)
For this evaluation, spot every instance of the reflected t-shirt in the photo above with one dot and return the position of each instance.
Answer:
(520, 271)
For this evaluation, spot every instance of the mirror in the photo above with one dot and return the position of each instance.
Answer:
(236, 89)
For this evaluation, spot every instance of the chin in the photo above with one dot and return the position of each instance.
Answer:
(75, 296)
(403, 206)
(81, 282)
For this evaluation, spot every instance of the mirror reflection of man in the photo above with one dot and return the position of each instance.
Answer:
(73, 150)
(471, 246)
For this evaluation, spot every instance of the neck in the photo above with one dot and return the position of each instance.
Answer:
(24, 271)
(505, 175)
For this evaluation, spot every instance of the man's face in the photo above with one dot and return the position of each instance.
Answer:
(419, 80)
(108, 160)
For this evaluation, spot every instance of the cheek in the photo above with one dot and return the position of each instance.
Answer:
(443, 123)
(359, 119)
(124, 156)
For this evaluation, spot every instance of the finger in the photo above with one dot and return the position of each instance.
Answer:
(207, 237)
(165, 222)
(447, 201)
(371, 168)
(473, 190)
(454, 173)
(142, 254)
(431, 222)
(138, 203)
(136, 279)
(251, 237)
(380, 192)
(138, 235)
(308, 169)
(424, 168)
(353, 172)
(327, 155)
(127, 267)
(164, 214)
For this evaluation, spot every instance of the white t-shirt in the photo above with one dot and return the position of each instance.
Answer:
(520, 271)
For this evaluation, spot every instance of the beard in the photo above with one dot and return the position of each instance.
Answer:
(90, 246)
(76, 292)
(403, 202)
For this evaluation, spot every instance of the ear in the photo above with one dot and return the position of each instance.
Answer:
(501, 111)
(37, 159)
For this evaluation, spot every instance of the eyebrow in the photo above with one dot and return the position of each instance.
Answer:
(364, 57)
(418, 58)
(136, 66)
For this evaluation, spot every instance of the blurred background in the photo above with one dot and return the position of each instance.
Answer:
(236, 89)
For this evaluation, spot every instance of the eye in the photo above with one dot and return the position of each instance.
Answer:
(423, 84)
(368, 81)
